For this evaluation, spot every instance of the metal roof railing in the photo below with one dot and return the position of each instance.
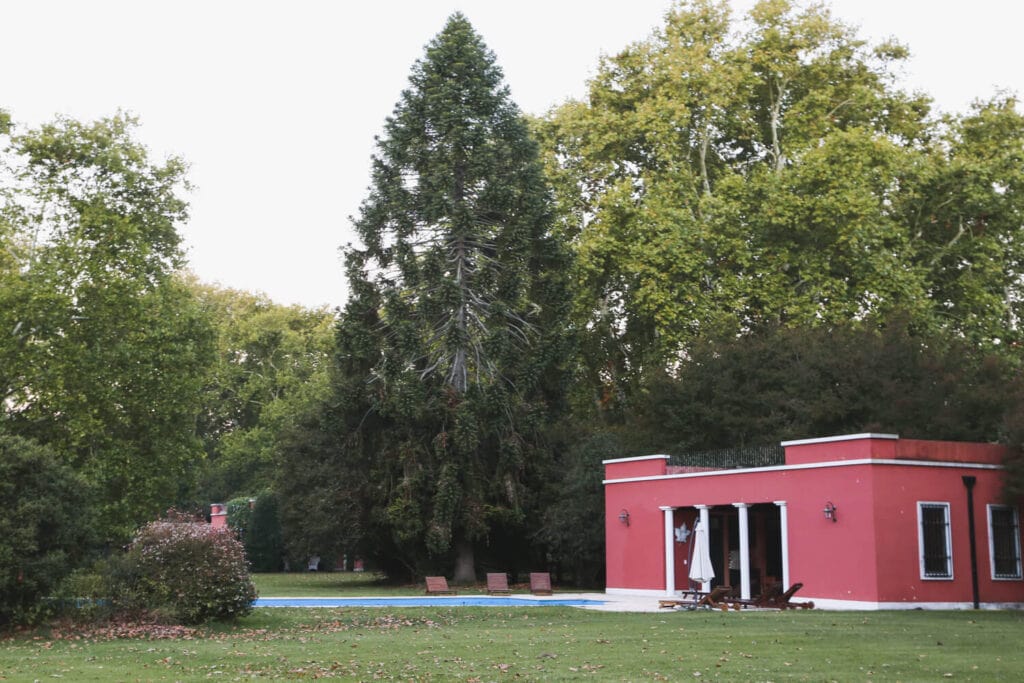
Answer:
(731, 458)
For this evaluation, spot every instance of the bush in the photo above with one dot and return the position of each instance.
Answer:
(264, 544)
(240, 515)
(84, 595)
(573, 523)
(185, 571)
(44, 526)
(256, 521)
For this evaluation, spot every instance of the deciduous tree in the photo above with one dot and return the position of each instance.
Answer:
(716, 179)
(271, 369)
(107, 352)
(783, 383)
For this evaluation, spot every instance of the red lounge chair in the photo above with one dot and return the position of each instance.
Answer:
(497, 584)
(438, 585)
(540, 583)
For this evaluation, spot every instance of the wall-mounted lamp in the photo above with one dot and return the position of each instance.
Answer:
(830, 511)
(624, 516)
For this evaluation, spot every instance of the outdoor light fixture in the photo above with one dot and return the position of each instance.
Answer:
(624, 516)
(830, 511)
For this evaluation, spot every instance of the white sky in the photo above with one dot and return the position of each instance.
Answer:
(275, 104)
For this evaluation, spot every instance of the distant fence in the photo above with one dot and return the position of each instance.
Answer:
(732, 458)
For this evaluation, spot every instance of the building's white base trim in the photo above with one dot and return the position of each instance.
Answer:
(638, 592)
(839, 605)
(865, 605)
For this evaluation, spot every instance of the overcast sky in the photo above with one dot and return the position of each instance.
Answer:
(275, 104)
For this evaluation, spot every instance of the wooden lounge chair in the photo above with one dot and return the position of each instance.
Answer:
(773, 598)
(438, 585)
(540, 583)
(716, 599)
(687, 598)
(764, 600)
(739, 603)
(497, 584)
(784, 599)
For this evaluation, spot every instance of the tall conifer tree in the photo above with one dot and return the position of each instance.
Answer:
(454, 341)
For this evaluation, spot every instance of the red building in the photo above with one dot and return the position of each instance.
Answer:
(863, 521)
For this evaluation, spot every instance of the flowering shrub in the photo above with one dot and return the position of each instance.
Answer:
(186, 571)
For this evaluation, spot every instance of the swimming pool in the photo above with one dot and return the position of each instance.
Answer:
(429, 601)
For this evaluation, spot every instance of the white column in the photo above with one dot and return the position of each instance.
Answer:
(744, 550)
(670, 551)
(705, 524)
(784, 533)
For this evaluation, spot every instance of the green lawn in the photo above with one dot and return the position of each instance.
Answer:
(345, 585)
(325, 584)
(544, 644)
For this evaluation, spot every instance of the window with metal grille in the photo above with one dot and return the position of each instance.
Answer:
(934, 541)
(1004, 541)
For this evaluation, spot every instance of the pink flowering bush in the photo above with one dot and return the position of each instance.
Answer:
(185, 571)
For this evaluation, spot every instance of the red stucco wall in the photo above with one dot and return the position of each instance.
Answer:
(949, 451)
(635, 554)
(854, 447)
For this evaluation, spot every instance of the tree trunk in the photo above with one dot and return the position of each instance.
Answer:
(705, 142)
(776, 122)
(465, 568)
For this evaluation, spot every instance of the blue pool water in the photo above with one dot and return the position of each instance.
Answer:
(431, 601)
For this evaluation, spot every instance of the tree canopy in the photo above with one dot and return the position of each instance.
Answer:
(271, 368)
(725, 175)
(104, 353)
(782, 383)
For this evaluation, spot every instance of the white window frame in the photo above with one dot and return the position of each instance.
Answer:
(992, 542)
(948, 576)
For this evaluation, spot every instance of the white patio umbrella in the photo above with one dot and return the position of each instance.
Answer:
(701, 570)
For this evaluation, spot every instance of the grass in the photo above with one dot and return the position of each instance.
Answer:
(346, 585)
(542, 643)
(326, 584)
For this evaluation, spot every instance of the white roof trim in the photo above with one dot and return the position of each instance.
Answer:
(636, 459)
(842, 437)
(809, 466)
